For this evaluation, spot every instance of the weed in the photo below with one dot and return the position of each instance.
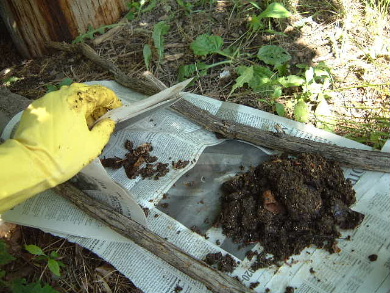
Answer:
(65, 81)
(273, 10)
(136, 8)
(159, 31)
(9, 81)
(52, 260)
(20, 285)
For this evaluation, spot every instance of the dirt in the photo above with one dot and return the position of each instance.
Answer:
(287, 204)
(373, 257)
(223, 263)
(289, 289)
(138, 162)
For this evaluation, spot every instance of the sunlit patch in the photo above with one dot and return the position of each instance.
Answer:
(40, 112)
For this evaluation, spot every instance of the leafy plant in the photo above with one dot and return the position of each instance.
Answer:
(273, 10)
(53, 263)
(207, 44)
(159, 31)
(7, 82)
(147, 53)
(65, 81)
(273, 55)
(138, 7)
(19, 285)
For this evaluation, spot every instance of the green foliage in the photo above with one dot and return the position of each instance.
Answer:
(138, 7)
(66, 81)
(7, 82)
(187, 5)
(91, 33)
(245, 76)
(52, 259)
(302, 111)
(5, 256)
(268, 71)
(273, 55)
(159, 31)
(147, 53)
(273, 10)
(20, 285)
(33, 249)
(207, 44)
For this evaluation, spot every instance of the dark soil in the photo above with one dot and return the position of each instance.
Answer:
(373, 257)
(287, 204)
(222, 263)
(138, 162)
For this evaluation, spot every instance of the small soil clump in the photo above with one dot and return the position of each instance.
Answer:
(287, 204)
(135, 159)
(222, 263)
(373, 257)
(139, 162)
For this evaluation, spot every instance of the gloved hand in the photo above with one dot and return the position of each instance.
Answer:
(53, 141)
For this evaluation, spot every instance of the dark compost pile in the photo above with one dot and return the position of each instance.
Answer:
(287, 204)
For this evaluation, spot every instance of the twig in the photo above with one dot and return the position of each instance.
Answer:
(350, 157)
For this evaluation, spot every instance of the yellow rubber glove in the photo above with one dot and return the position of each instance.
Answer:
(53, 141)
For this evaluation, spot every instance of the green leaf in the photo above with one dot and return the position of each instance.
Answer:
(275, 10)
(147, 52)
(301, 111)
(206, 44)
(255, 23)
(245, 76)
(277, 92)
(291, 80)
(21, 286)
(54, 267)
(261, 77)
(186, 71)
(150, 7)
(273, 55)
(280, 109)
(33, 249)
(54, 254)
(159, 31)
(5, 257)
(51, 88)
(66, 81)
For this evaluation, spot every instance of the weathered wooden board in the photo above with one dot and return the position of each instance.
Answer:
(32, 23)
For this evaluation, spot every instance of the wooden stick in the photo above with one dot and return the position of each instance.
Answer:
(198, 270)
(349, 157)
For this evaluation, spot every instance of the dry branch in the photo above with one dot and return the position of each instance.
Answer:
(349, 157)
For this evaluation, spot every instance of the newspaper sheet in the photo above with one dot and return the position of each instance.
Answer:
(193, 200)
